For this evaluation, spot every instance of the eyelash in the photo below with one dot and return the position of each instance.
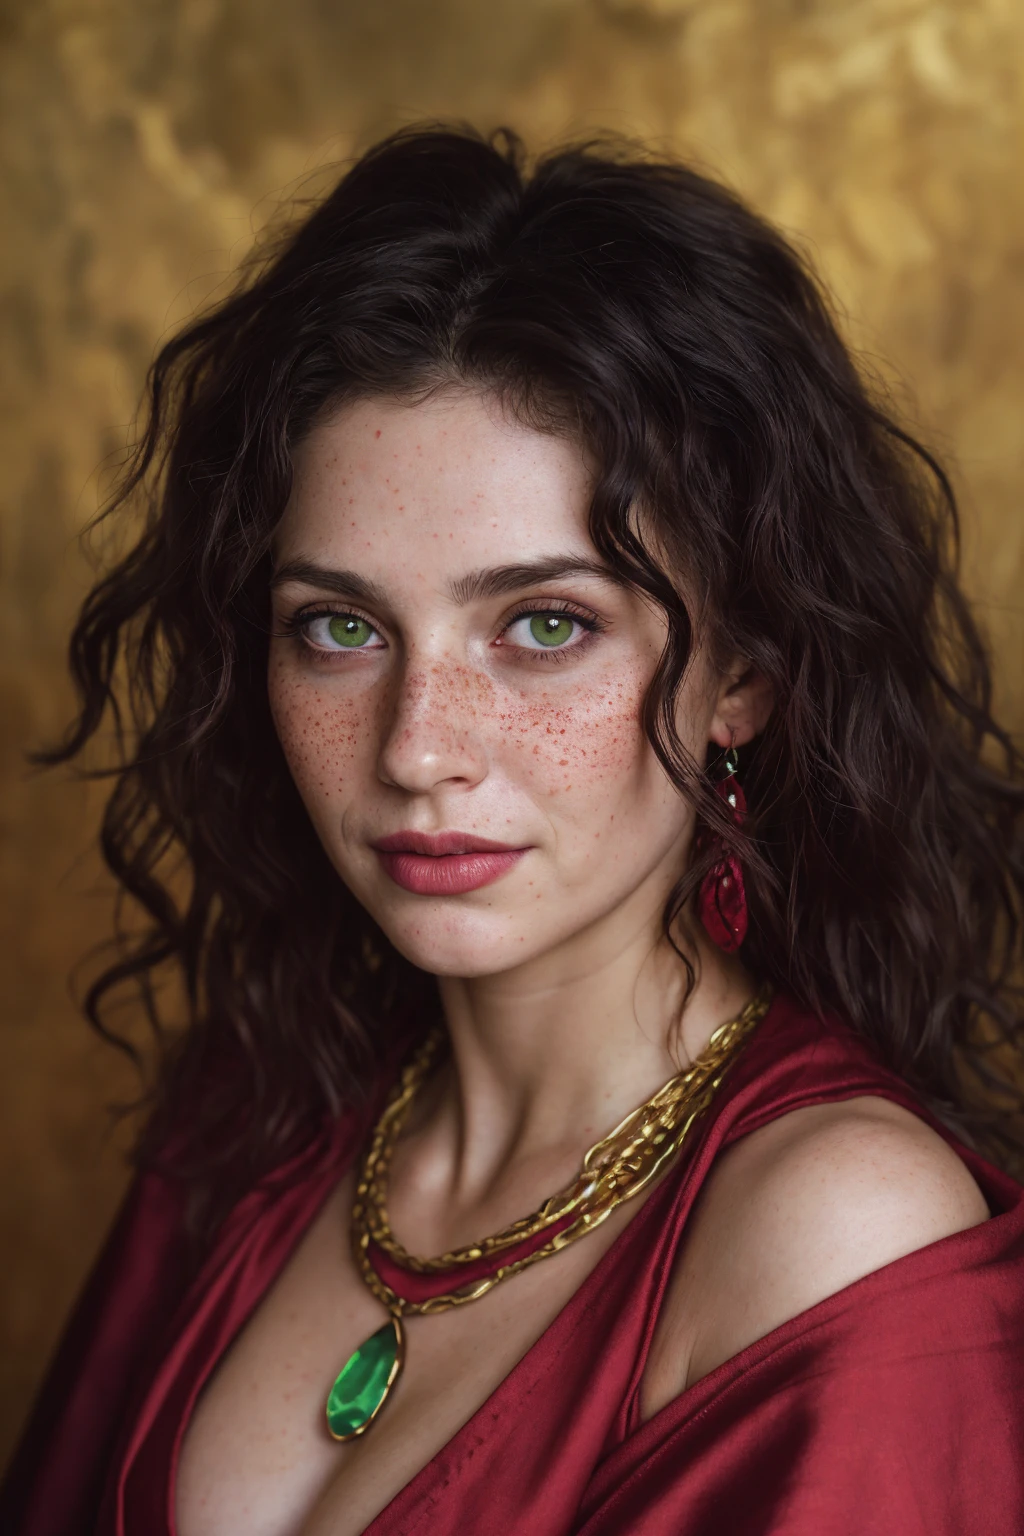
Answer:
(589, 622)
(294, 627)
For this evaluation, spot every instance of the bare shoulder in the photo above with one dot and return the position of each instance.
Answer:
(795, 1212)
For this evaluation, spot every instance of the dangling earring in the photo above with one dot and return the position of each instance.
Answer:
(722, 902)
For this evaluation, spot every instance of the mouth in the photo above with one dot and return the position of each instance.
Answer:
(444, 863)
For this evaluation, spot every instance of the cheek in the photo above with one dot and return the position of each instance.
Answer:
(325, 736)
(588, 748)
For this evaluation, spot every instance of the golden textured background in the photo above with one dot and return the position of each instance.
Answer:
(145, 141)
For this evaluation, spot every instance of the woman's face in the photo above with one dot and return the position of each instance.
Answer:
(457, 685)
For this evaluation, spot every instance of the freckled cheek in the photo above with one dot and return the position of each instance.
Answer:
(597, 747)
(327, 737)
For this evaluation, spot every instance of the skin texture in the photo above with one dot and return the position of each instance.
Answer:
(561, 997)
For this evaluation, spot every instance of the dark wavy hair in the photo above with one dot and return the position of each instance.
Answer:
(739, 456)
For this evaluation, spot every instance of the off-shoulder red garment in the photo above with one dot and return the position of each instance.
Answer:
(895, 1406)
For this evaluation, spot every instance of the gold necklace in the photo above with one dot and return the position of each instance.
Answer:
(615, 1169)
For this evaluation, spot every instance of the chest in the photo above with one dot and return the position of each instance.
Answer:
(257, 1458)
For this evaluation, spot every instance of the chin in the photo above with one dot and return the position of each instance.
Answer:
(463, 944)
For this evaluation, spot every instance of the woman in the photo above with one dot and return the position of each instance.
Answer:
(545, 655)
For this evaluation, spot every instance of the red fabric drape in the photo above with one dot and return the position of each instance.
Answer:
(895, 1406)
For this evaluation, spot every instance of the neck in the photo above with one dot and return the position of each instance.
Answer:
(548, 1057)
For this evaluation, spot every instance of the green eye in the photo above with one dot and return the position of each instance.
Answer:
(551, 628)
(346, 629)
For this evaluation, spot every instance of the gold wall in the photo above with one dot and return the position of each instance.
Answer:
(144, 141)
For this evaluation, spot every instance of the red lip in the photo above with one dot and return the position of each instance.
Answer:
(437, 844)
(444, 863)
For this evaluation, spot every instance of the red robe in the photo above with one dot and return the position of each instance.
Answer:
(893, 1408)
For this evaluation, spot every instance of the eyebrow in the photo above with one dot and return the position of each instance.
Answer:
(493, 581)
(330, 578)
(499, 580)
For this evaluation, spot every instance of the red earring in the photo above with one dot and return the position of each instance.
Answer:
(722, 902)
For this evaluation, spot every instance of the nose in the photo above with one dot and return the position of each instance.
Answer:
(434, 732)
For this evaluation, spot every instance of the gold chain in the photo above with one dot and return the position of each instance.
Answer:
(615, 1169)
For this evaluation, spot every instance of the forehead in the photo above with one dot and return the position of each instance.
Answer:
(449, 481)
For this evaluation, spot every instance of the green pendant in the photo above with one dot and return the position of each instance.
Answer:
(364, 1381)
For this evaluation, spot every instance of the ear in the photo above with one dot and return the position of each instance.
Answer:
(744, 705)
